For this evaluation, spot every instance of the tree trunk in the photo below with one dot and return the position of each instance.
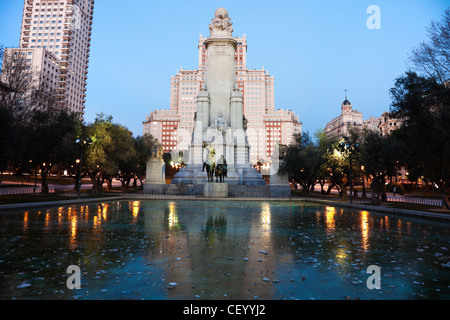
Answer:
(382, 186)
(77, 181)
(343, 193)
(445, 199)
(375, 192)
(322, 191)
(96, 186)
(35, 179)
(109, 183)
(45, 189)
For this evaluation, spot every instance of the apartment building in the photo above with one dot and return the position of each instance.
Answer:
(61, 30)
(350, 118)
(258, 89)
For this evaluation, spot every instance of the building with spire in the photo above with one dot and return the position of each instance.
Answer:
(349, 118)
(353, 119)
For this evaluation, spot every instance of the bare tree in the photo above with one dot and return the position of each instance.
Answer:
(27, 88)
(433, 57)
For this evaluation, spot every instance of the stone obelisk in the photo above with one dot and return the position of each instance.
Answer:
(220, 75)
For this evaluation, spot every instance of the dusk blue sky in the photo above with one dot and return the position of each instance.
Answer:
(314, 49)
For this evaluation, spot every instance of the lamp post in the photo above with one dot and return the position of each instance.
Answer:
(83, 144)
(349, 148)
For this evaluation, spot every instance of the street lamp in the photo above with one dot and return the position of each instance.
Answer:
(349, 148)
(83, 144)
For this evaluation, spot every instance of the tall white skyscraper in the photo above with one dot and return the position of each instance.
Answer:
(59, 30)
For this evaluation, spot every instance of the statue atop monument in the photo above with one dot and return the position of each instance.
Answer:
(157, 151)
(220, 123)
(221, 25)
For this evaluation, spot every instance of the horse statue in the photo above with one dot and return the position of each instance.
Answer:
(221, 170)
(209, 164)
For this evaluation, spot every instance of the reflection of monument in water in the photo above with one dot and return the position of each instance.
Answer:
(220, 119)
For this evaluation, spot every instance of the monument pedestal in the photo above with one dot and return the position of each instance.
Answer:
(279, 183)
(155, 176)
(215, 190)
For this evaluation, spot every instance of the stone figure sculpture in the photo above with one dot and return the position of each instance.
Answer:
(157, 151)
(220, 123)
(245, 122)
(221, 22)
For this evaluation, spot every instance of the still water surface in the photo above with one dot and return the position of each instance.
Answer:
(220, 250)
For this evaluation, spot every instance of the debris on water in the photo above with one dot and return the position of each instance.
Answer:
(172, 285)
(24, 285)
(266, 279)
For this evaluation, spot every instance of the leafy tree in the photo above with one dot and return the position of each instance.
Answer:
(334, 166)
(323, 145)
(144, 146)
(380, 156)
(424, 105)
(112, 147)
(302, 161)
(44, 141)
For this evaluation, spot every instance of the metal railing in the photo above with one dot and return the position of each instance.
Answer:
(21, 191)
(424, 201)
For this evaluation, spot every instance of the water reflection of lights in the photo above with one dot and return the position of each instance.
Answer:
(386, 223)
(365, 229)
(173, 216)
(73, 231)
(134, 208)
(96, 222)
(60, 215)
(266, 216)
(329, 216)
(25, 220)
(47, 219)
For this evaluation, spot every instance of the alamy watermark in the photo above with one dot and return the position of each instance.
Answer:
(75, 19)
(374, 281)
(374, 21)
(74, 281)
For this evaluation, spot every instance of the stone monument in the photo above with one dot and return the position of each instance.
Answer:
(279, 183)
(156, 170)
(220, 120)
